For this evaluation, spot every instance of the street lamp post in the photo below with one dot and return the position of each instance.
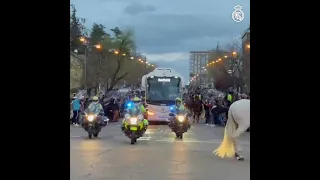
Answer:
(246, 75)
(85, 42)
(85, 67)
(234, 55)
(85, 62)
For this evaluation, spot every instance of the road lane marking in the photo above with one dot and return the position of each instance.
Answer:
(170, 131)
(196, 141)
(75, 136)
(185, 141)
(144, 139)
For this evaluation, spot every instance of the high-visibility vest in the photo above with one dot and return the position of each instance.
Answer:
(229, 97)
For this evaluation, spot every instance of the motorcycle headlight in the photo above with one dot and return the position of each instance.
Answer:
(91, 118)
(140, 117)
(180, 118)
(133, 120)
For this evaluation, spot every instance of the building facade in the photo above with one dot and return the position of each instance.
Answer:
(197, 63)
(246, 59)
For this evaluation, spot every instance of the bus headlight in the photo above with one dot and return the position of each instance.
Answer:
(180, 118)
(150, 113)
(133, 120)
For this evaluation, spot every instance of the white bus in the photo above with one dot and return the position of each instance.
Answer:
(162, 86)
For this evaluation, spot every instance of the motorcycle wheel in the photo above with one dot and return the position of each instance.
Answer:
(177, 135)
(96, 134)
(90, 133)
(133, 138)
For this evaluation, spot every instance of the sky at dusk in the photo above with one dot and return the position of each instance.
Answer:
(165, 30)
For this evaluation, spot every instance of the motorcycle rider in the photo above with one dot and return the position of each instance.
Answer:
(143, 101)
(136, 105)
(96, 108)
(179, 109)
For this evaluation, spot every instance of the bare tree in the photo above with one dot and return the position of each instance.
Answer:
(110, 64)
(124, 44)
(239, 71)
(218, 72)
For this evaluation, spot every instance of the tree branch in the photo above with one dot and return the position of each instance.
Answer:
(114, 79)
(121, 77)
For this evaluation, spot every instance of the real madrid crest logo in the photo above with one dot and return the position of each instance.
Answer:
(238, 14)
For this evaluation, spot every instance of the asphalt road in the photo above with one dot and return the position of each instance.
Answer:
(157, 156)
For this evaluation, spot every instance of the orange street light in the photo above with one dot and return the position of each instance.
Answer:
(234, 53)
(98, 46)
(116, 52)
(248, 46)
(82, 39)
(225, 56)
(124, 54)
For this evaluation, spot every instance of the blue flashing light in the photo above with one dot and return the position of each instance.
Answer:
(171, 108)
(129, 104)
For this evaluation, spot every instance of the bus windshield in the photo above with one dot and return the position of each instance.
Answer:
(163, 90)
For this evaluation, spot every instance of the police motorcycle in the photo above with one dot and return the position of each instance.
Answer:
(93, 123)
(133, 125)
(178, 124)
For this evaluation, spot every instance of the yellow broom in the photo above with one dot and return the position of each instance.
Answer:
(226, 148)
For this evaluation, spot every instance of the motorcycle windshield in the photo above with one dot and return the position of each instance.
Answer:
(179, 112)
(89, 111)
(134, 112)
